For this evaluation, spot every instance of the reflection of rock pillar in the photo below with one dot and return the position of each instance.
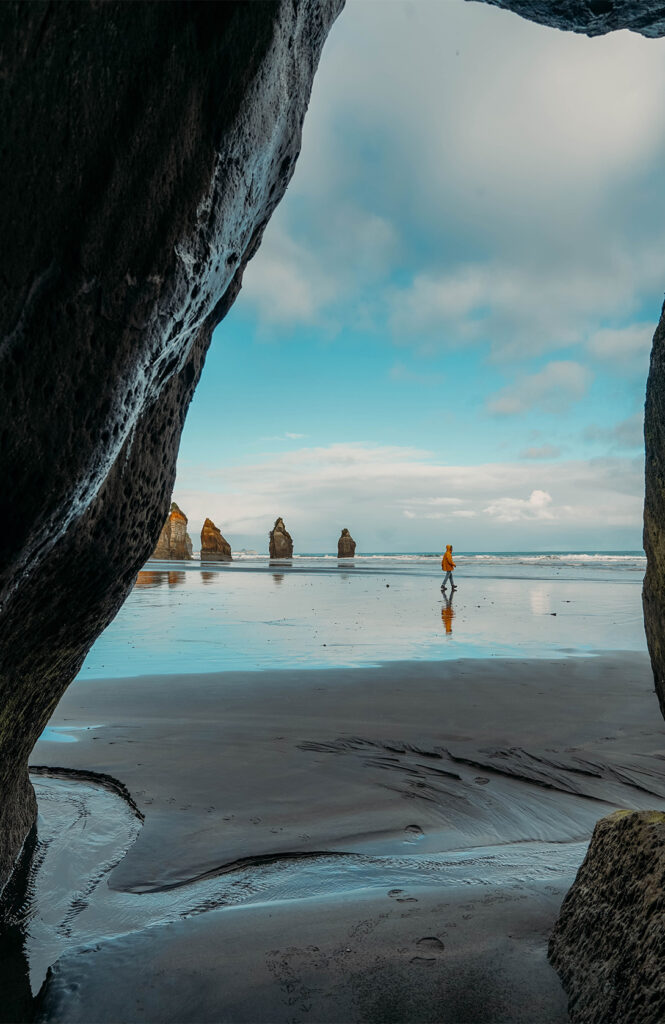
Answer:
(653, 596)
(346, 545)
(281, 544)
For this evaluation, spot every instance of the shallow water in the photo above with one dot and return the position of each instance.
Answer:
(315, 611)
(84, 830)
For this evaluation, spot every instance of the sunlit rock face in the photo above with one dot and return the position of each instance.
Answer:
(174, 541)
(346, 545)
(214, 548)
(592, 17)
(144, 148)
(608, 942)
(281, 544)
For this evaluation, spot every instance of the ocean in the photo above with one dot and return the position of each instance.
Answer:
(315, 610)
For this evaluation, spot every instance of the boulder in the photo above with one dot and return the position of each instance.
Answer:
(148, 145)
(174, 542)
(346, 545)
(213, 546)
(607, 946)
(281, 544)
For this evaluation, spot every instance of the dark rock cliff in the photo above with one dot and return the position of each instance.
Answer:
(653, 597)
(174, 541)
(214, 548)
(592, 17)
(144, 148)
(281, 543)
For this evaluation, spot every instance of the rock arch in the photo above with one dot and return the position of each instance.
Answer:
(145, 147)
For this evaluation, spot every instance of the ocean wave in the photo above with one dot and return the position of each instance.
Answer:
(630, 559)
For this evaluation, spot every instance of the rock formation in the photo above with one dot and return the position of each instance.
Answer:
(608, 942)
(592, 17)
(147, 146)
(346, 545)
(281, 545)
(213, 546)
(174, 541)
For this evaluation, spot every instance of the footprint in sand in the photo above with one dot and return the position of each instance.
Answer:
(424, 961)
(480, 780)
(431, 942)
(413, 833)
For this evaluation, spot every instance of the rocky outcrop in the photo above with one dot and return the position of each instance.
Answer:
(174, 541)
(147, 146)
(213, 546)
(281, 544)
(346, 545)
(608, 942)
(653, 594)
(592, 17)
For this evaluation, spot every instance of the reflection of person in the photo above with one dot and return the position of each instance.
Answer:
(448, 565)
(447, 614)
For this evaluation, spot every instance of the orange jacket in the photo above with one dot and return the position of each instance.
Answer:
(447, 563)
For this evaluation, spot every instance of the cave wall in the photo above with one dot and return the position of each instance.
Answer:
(144, 148)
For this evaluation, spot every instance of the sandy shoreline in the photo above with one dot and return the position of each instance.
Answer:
(399, 764)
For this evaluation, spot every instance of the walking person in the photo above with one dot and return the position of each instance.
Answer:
(448, 565)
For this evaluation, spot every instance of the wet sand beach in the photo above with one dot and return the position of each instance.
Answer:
(388, 842)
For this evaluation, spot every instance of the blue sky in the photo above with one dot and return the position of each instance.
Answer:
(445, 334)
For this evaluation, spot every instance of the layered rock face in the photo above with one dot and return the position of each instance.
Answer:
(174, 541)
(145, 149)
(213, 546)
(592, 17)
(281, 544)
(653, 595)
(608, 942)
(346, 545)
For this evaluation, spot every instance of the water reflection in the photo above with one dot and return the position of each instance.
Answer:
(155, 578)
(208, 577)
(539, 599)
(149, 578)
(278, 577)
(447, 614)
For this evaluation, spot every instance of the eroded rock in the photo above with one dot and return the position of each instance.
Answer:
(281, 544)
(145, 149)
(346, 545)
(174, 541)
(214, 548)
(609, 940)
(592, 17)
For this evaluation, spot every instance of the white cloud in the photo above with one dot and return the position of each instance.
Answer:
(627, 434)
(543, 451)
(513, 510)
(287, 436)
(402, 498)
(629, 347)
(552, 389)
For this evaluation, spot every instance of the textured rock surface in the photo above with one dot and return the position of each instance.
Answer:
(654, 511)
(281, 544)
(592, 17)
(214, 548)
(174, 541)
(346, 545)
(609, 942)
(144, 148)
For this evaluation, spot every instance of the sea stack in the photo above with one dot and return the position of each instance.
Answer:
(174, 542)
(281, 544)
(214, 548)
(346, 545)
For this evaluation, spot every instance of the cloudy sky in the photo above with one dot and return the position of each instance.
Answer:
(445, 335)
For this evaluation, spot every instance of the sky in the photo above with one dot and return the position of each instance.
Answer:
(445, 335)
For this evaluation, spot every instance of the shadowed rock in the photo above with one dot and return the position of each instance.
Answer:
(607, 945)
(346, 545)
(281, 544)
(174, 541)
(214, 548)
(146, 146)
(592, 17)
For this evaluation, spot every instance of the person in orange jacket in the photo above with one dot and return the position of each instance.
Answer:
(448, 565)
